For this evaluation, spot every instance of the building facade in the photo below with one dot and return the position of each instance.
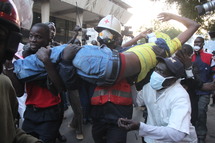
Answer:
(68, 13)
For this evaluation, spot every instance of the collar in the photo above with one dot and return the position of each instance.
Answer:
(161, 93)
(199, 52)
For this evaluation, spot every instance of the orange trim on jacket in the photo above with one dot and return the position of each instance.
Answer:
(119, 94)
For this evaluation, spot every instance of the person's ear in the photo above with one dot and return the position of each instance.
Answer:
(168, 82)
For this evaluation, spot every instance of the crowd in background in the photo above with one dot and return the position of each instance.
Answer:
(174, 80)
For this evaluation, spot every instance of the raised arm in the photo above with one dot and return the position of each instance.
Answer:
(135, 39)
(191, 25)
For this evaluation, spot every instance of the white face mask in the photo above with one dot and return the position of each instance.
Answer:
(196, 48)
(151, 38)
(157, 80)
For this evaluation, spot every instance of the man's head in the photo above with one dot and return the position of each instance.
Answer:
(109, 29)
(52, 29)
(94, 42)
(167, 71)
(199, 43)
(77, 42)
(39, 36)
(9, 30)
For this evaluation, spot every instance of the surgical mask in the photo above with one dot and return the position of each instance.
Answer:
(157, 80)
(196, 48)
(151, 38)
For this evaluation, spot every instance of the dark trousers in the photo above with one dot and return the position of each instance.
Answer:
(104, 132)
(194, 106)
(201, 124)
(42, 123)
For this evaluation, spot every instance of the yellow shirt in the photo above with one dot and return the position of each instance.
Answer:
(148, 58)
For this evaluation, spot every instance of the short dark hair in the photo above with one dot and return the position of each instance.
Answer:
(201, 38)
(44, 26)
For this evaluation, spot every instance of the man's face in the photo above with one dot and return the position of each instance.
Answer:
(52, 31)
(162, 69)
(38, 38)
(199, 42)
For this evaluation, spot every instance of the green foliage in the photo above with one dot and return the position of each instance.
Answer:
(162, 27)
(166, 28)
(187, 9)
(172, 32)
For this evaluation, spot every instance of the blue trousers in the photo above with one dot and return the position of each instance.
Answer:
(98, 65)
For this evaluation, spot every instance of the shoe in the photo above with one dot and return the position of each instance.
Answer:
(61, 138)
(79, 136)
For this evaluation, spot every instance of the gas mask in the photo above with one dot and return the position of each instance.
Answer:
(105, 37)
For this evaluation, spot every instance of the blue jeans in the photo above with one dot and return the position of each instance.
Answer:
(98, 65)
(32, 68)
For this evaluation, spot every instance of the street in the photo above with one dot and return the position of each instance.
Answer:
(133, 135)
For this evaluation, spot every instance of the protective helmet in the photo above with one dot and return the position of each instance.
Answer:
(109, 22)
(9, 15)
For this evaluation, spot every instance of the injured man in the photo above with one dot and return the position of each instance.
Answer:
(103, 66)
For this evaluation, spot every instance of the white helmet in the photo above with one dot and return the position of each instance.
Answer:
(109, 22)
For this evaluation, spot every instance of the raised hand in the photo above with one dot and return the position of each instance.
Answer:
(164, 16)
(144, 33)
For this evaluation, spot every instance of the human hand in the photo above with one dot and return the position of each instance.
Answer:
(43, 54)
(164, 16)
(184, 58)
(144, 33)
(159, 52)
(70, 51)
(209, 86)
(128, 124)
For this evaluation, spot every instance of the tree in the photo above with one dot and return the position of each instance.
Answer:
(187, 9)
(165, 28)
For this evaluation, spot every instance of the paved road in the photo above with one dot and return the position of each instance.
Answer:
(132, 136)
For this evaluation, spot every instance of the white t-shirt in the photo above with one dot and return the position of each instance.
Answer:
(169, 109)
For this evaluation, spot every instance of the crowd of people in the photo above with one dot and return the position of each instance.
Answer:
(174, 80)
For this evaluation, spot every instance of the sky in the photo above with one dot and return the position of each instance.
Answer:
(144, 11)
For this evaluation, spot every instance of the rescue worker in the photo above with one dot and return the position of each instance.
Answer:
(103, 113)
(9, 41)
